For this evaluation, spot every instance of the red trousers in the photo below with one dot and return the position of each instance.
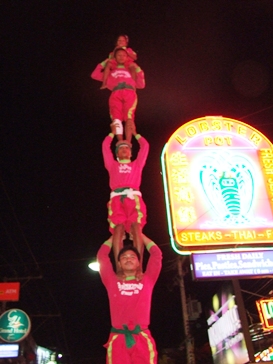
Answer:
(125, 211)
(122, 104)
(143, 352)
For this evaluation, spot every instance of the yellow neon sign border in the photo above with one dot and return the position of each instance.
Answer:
(166, 192)
(220, 118)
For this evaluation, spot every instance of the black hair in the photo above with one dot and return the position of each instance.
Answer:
(122, 142)
(119, 49)
(126, 248)
(124, 36)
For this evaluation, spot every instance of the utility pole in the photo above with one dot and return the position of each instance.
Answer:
(188, 338)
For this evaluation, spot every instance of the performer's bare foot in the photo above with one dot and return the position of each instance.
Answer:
(103, 87)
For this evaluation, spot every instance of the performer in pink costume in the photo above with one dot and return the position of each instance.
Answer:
(110, 62)
(130, 341)
(126, 208)
(123, 99)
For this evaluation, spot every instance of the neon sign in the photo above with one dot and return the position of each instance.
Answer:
(265, 309)
(218, 182)
(225, 330)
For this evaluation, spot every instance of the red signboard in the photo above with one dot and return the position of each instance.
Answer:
(9, 291)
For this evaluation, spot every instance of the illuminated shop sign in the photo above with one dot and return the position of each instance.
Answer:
(265, 309)
(265, 355)
(14, 325)
(248, 264)
(9, 291)
(9, 350)
(225, 332)
(43, 355)
(218, 182)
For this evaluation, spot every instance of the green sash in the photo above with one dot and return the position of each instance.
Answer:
(129, 339)
(123, 85)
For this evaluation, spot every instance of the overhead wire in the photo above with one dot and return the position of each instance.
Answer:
(257, 112)
(13, 245)
(18, 224)
(37, 265)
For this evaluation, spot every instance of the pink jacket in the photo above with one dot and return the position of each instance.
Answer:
(130, 301)
(119, 75)
(124, 173)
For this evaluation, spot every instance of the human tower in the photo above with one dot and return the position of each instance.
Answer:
(129, 289)
(126, 209)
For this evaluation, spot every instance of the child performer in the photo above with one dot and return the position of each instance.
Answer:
(122, 42)
(123, 99)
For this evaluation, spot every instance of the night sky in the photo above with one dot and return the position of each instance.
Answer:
(200, 57)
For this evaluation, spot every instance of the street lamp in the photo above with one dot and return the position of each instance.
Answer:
(95, 266)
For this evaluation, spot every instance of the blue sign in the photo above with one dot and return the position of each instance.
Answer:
(232, 264)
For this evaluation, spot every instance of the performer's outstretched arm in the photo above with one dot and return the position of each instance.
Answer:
(144, 146)
(97, 74)
(107, 154)
(106, 267)
(155, 260)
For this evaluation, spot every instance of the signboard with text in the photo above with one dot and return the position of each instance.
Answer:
(235, 264)
(218, 181)
(9, 350)
(9, 291)
(14, 325)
